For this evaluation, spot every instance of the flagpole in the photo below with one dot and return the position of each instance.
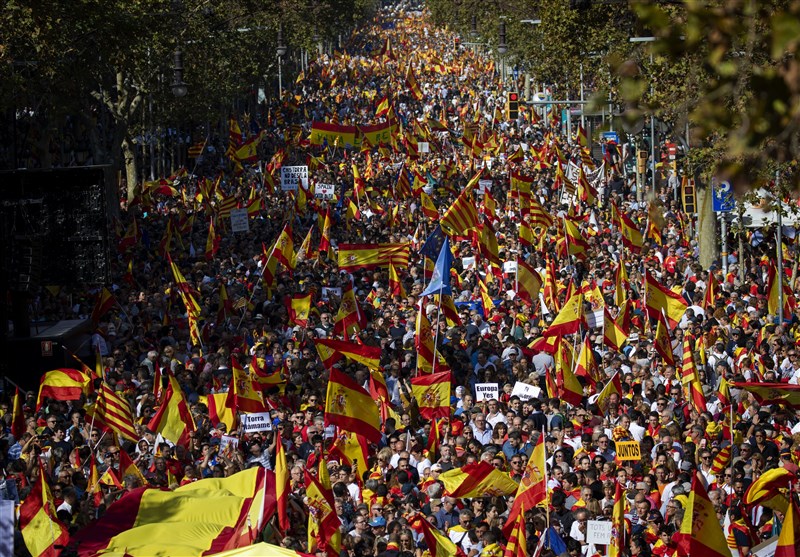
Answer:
(260, 278)
(436, 337)
(546, 493)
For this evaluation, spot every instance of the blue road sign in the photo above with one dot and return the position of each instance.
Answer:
(723, 201)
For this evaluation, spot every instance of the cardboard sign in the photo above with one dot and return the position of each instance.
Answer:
(259, 421)
(598, 532)
(629, 450)
(239, 220)
(424, 147)
(324, 191)
(291, 176)
(525, 391)
(509, 267)
(487, 391)
(484, 185)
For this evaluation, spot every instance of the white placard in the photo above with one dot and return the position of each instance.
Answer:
(226, 440)
(598, 532)
(240, 222)
(509, 267)
(324, 191)
(291, 176)
(327, 291)
(258, 421)
(525, 391)
(484, 185)
(487, 391)
(423, 147)
(468, 262)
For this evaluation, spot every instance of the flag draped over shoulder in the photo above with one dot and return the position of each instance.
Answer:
(205, 517)
(480, 479)
(351, 407)
(700, 532)
(432, 393)
(63, 384)
(40, 528)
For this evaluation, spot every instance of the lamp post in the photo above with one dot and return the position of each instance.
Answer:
(179, 88)
(652, 116)
(502, 48)
(281, 51)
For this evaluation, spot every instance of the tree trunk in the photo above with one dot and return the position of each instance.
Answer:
(706, 227)
(131, 166)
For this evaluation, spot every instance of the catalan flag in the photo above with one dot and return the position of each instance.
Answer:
(212, 241)
(660, 299)
(114, 412)
(63, 384)
(690, 377)
(135, 526)
(461, 216)
(517, 545)
(371, 256)
(350, 407)
(700, 532)
(432, 393)
(477, 480)
(43, 533)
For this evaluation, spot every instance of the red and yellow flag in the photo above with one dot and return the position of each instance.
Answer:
(662, 343)
(617, 545)
(370, 256)
(350, 407)
(517, 545)
(690, 377)
(114, 412)
(105, 301)
(528, 283)
(43, 533)
(246, 397)
(413, 85)
(18, 425)
(700, 532)
(569, 319)
(661, 299)
(284, 248)
(282, 487)
(432, 393)
(299, 308)
(349, 319)
(789, 538)
(477, 480)
(173, 420)
(532, 490)
(63, 384)
(323, 524)
(461, 216)
(614, 386)
(331, 351)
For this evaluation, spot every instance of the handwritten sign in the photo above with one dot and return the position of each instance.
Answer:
(486, 391)
(239, 220)
(291, 176)
(629, 450)
(324, 191)
(258, 421)
(598, 532)
(525, 391)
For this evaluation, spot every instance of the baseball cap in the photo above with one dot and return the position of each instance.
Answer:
(377, 522)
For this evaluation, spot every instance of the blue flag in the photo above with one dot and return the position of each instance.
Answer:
(433, 245)
(440, 281)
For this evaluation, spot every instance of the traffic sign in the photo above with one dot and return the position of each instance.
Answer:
(723, 201)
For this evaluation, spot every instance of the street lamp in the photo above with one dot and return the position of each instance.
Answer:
(281, 51)
(502, 48)
(179, 88)
(652, 116)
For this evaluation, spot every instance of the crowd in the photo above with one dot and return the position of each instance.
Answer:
(485, 333)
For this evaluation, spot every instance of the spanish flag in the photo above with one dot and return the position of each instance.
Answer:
(282, 487)
(432, 393)
(700, 532)
(586, 365)
(395, 284)
(43, 533)
(219, 411)
(423, 341)
(349, 319)
(427, 206)
(246, 397)
(773, 393)
(299, 307)
(532, 490)
(767, 489)
(613, 336)
(413, 86)
(284, 248)
(477, 480)
(350, 407)
(135, 525)
(662, 343)
(325, 237)
(333, 351)
(528, 283)
(659, 298)
(63, 384)
(323, 524)
(186, 291)
(382, 108)
(613, 386)
(350, 448)
(789, 538)
(127, 467)
(439, 545)
(173, 420)
(569, 319)
(712, 289)
(212, 241)
(631, 236)
(105, 301)
(617, 545)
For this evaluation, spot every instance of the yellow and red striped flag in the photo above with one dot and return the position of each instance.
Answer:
(128, 468)
(395, 284)
(789, 538)
(114, 412)
(432, 393)
(284, 248)
(350, 407)
(617, 545)
(613, 386)
(662, 341)
(661, 299)
(528, 283)
(299, 307)
(532, 490)
(569, 319)
(461, 216)
(43, 533)
(331, 351)
(439, 545)
(105, 301)
(413, 85)
(185, 290)
(323, 524)
(370, 256)
(477, 480)
(517, 545)
(700, 532)
(282, 487)
(350, 319)
(690, 377)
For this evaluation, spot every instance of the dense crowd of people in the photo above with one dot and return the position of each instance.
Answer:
(493, 336)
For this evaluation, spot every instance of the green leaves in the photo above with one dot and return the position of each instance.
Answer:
(785, 34)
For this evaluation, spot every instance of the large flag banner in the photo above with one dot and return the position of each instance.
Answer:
(334, 135)
(773, 393)
(371, 256)
(205, 517)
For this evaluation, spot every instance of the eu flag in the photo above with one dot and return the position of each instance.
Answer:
(433, 245)
(440, 280)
